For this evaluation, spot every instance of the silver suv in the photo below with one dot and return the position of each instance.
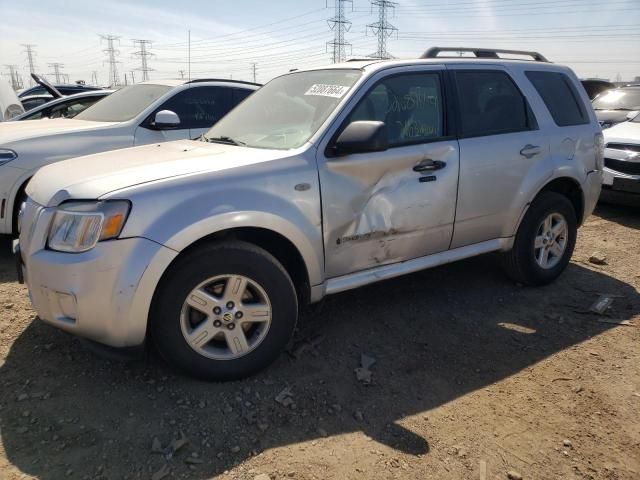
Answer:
(322, 181)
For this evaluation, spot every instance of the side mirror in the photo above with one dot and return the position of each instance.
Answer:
(166, 119)
(632, 115)
(362, 137)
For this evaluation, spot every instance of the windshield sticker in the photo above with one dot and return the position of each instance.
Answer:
(324, 90)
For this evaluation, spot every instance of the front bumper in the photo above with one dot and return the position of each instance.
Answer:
(91, 294)
(104, 294)
(621, 182)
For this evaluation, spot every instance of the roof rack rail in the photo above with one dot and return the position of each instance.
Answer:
(198, 80)
(434, 52)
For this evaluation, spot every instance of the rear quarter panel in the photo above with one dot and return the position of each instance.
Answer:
(572, 148)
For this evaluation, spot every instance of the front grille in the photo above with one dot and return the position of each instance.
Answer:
(630, 168)
(630, 147)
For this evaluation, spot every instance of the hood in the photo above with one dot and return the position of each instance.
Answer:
(94, 176)
(16, 131)
(607, 118)
(625, 132)
(44, 83)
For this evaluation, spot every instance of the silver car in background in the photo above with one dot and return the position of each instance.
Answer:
(322, 181)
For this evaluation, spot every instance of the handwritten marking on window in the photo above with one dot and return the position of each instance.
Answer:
(412, 101)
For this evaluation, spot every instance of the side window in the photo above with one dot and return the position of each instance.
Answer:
(44, 113)
(560, 97)
(70, 110)
(410, 105)
(199, 107)
(239, 94)
(491, 104)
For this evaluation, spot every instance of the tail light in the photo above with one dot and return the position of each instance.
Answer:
(599, 144)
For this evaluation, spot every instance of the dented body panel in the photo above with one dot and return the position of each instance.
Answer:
(376, 210)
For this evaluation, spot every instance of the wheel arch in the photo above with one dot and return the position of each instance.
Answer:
(566, 186)
(570, 188)
(13, 205)
(282, 248)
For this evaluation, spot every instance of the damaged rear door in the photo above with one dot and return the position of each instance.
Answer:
(398, 204)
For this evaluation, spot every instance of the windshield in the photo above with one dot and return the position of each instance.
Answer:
(286, 112)
(619, 99)
(124, 104)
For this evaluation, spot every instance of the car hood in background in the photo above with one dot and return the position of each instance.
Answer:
(15, 131)
(626, 132)
(96, 175)
(607, 118)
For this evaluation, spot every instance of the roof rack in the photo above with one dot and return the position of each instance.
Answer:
(198, 80)
(434, 52)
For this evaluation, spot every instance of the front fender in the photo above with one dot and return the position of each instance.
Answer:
(179, 215)
(304, 237)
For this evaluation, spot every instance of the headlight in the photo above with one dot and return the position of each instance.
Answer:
(6, 155)
(78, 226)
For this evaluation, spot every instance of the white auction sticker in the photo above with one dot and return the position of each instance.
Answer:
(325, 90)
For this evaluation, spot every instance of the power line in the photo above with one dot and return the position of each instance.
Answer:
(144, 55)
(30, 54)
(382, 28)
(340, 25)
(56, 71)
(16, 82)
(242, 32)
(112, 52)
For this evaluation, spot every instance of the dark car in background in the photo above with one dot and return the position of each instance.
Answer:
(595, 86)
(44, 92)
(615, 105)
(64, 89)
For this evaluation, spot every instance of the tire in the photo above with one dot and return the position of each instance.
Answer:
(522, 262)
(21, 197)
(207, 275)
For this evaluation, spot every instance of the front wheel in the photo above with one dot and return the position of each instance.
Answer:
(544, 242)
(224, 311)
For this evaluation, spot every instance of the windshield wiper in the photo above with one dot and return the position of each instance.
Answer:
(223, 139)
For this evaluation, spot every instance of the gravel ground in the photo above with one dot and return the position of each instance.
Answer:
(474, 378)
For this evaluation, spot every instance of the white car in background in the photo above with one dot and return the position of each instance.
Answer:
(65, 107)
(10, 106)
(149, 112)
(621, 180)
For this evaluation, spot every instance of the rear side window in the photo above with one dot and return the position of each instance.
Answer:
(560, 97)
(491, 104)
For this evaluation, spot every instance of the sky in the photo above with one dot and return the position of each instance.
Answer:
(597, 38)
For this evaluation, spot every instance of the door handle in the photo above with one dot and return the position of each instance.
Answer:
(428, 165)
(529, 151)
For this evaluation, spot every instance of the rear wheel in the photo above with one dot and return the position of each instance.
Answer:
(224, 311)
(545, 241)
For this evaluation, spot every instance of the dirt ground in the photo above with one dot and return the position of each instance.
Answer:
(475, 378)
